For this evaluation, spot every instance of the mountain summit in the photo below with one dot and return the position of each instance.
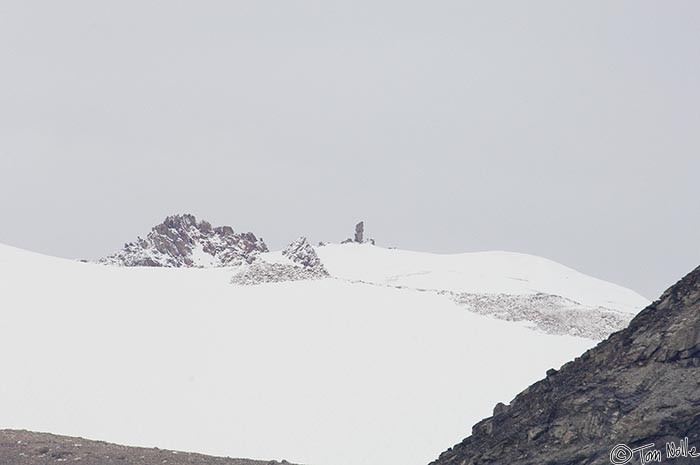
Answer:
(181, 241)
(639, 388)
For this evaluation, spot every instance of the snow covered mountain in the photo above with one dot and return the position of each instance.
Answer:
(509, 286)
(515, 287)
(181, 241)
(377, 360)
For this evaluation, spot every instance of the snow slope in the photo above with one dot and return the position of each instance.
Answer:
(480, 272)
(324, 372)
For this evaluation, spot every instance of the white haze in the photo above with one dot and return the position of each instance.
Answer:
(562, 129)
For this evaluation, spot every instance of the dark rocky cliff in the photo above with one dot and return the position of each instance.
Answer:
(638, 387)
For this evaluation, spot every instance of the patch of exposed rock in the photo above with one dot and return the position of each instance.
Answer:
(552, 314)
(640, 386)
(262, 272)
(305, 264)
(181, 241)
(28, 448)
(549, 313)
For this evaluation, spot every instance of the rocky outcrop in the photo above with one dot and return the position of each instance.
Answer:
(181, 241)
(359, 237)
(360, 232)
(303, 253)
(305, 264)
(639, 387)
(28, 448)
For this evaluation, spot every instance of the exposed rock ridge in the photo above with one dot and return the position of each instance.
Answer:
(181, 241)
(29, 448)
(638, 387)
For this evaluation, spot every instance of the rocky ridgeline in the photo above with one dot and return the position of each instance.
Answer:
(641, 386)
(304, 264)
(28, 448)
(181, 241)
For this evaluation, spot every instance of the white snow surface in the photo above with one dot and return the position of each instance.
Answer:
(320, 372)
(476, 273)
(202, 259)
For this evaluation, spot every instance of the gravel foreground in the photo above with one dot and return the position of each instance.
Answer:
(29, 448)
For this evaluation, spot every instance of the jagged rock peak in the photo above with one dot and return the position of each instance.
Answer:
(182, 241)
(302, 252)
(638, 387)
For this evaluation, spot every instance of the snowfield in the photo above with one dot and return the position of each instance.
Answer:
(479, 272)
(322, 372)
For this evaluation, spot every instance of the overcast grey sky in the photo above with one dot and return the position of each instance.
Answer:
(569, 130)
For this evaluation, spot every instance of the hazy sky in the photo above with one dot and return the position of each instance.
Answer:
(569, 130)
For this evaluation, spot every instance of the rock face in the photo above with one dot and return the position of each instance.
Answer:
(27, 448)
(181, 241)
(641, 386)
